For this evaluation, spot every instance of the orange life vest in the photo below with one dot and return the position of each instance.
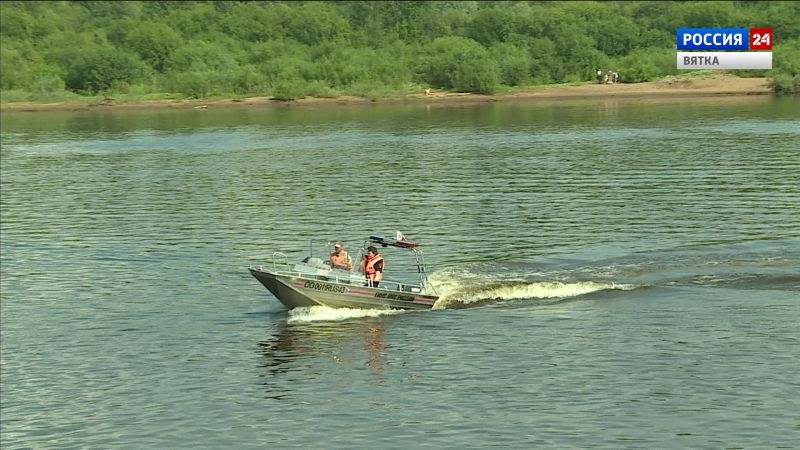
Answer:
(370, 272)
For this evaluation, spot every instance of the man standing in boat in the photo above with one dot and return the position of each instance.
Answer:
(340, 259)
(372, 266)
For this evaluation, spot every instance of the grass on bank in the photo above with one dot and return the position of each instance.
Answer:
(299, 89)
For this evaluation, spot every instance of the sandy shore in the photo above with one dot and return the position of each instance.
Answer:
(678, 87)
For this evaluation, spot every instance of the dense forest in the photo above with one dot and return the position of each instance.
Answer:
(55, 50)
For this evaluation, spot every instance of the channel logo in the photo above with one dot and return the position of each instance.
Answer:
(724, 48)
(697, 39)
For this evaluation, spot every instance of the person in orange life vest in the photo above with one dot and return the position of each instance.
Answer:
(372, 266)
(340, 259)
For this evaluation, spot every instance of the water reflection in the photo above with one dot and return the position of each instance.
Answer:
(375, 346)
(320, 349)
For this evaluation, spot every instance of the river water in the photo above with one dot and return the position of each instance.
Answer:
(614, 274)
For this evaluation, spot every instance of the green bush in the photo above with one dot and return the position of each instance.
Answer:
(320, 89)
(491, 25)
(314, 23)
(54, 96)
(249, 81)
(288, 89)
(47, 83)
(369, 89)
(784, 83)
(287, 68)
(191, 84)
(460, 64)
(16, 23)
(199, 56)
(514, 64)
(543, 60)
(342, 68)
(786, 67)
(13, 67)
(154, 43)
(14, 96)
(98, 71)
(645, 65)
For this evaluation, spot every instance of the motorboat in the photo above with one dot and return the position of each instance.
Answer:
(313, 282)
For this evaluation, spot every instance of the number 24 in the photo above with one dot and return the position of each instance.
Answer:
(759, 39)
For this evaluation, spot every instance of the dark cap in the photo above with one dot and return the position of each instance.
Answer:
(372, 249)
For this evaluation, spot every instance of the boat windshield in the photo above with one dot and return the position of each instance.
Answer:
(404, 263)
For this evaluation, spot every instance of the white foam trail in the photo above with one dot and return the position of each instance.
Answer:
(541, 290)
(472, 289)
(450, 280)
(323, 313)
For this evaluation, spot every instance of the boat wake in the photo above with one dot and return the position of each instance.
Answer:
(467, 291)
(758, 266)
(326, 314)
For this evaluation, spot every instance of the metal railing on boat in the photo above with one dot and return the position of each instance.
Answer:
(385, 285)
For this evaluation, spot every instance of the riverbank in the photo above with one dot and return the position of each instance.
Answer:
(677, 87)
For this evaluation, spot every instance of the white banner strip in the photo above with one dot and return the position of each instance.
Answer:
(724, 60)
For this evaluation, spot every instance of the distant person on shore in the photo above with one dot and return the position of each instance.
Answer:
(610, 76)
(340, 259)
(599, 76)
(372, 266)
(616, 78)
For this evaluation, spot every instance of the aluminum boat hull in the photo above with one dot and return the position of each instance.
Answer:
(296, 290)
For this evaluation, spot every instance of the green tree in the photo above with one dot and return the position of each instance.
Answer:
(709, 14)
(786, 67)
(460, 64)
(251, 22)
(201, 55)
(192, 23)
(14, 66)
(15, 24)
(154, 42)
(316, 22)
(513, 62)
(645, 65)
(104, 68)
(491, 25)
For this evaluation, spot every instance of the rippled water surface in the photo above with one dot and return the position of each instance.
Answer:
(613, 275)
